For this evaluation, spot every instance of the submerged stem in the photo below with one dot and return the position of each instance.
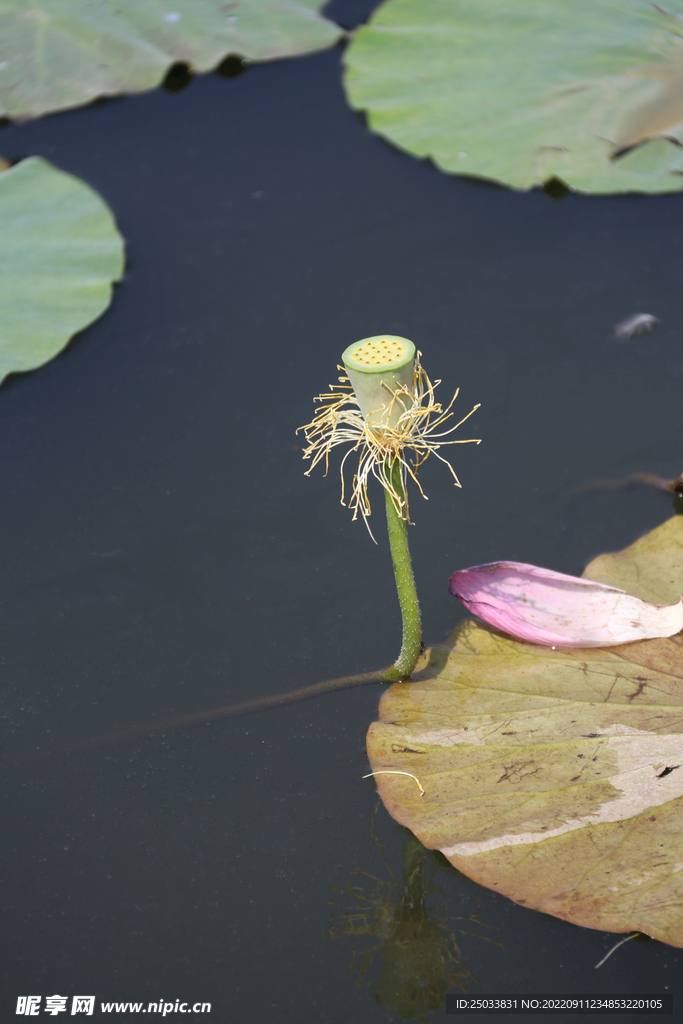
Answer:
(411, 645)
(405, 581)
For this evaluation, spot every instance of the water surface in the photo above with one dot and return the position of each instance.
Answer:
(163, 552)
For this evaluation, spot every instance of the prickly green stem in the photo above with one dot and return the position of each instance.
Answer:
(405, 583)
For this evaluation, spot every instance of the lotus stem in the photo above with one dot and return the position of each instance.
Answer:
(384, 408)
(402, 668)
(411, 645)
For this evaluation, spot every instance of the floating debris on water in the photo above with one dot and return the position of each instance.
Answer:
(635, 325)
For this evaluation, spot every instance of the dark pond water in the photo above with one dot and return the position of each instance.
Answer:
(164, 554)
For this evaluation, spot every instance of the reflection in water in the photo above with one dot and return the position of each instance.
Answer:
(420, 956)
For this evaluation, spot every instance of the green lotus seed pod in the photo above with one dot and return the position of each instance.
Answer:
(377, 367)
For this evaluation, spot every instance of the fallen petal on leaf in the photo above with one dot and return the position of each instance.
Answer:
(552, 609)
(552, 777)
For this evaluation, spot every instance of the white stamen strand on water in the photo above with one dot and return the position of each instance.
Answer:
(409, 774)
(613, 949)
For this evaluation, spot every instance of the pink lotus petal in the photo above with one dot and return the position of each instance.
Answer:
(549, 608)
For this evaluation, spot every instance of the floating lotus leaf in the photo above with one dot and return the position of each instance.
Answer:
(61, 53)
(554, 777)
(590, 92)
(60, 254)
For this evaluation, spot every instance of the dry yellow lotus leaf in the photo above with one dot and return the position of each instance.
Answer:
(553, 776)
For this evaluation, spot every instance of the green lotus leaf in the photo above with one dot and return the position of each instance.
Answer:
(589, 92)
(61, 53)
(552, 776)
(60, 254)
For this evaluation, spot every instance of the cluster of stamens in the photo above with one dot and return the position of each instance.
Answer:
(381, 447)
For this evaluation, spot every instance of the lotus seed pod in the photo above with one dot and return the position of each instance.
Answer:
(377, 367)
